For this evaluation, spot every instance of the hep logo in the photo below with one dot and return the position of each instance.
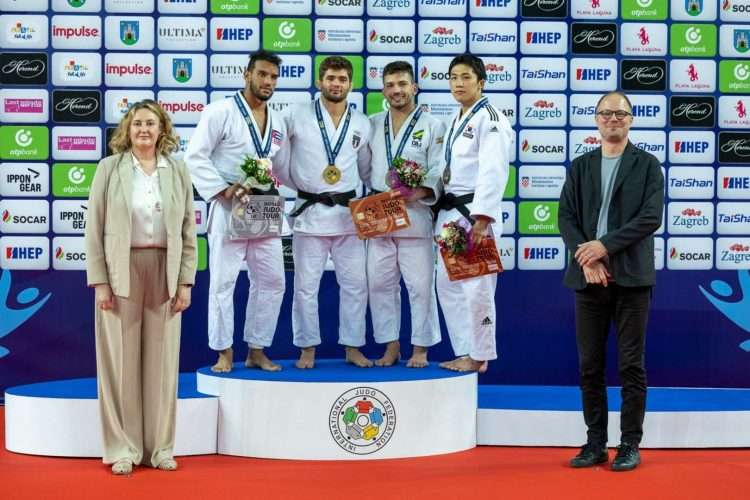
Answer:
(525, 145)
(741, 111)
(692, 73)
(6, 216)
(643, 36)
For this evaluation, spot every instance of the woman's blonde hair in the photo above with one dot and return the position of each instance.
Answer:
(166, 143)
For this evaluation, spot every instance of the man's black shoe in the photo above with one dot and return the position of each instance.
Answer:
(590, 454)
(627, 458)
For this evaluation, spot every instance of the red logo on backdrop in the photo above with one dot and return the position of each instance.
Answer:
(643, 36)
(691, 212)
(692, 73)
(741, 111)
(321, 35)
(595, 4)
(541, 103)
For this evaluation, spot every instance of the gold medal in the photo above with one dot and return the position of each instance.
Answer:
(331, 174)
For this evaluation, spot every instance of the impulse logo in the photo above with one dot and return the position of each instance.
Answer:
(127, 69)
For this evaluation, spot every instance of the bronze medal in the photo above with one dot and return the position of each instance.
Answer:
(331, 174)
(447, 174)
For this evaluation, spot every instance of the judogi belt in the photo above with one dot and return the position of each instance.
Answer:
(449, 201)
(329, 199)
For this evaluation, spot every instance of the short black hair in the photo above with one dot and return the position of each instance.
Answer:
(475, 63)
(398, 67)
(614, 92)
(263, 55)
(335, 63)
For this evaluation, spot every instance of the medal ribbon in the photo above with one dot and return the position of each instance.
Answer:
(387, 131)
(332, 154)
(452, 138)
(261, 150)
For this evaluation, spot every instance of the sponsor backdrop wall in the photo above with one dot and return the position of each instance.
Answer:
(71, 68)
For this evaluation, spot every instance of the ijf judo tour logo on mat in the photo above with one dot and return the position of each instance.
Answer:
(362, 420)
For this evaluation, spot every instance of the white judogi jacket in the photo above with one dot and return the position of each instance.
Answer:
(220, 142)
(479, 163)
(304, 170)
(423, 147)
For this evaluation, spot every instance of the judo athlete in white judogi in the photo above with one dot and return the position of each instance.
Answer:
(476, 153)
(327, 166)
(229, 130)
(405, 131)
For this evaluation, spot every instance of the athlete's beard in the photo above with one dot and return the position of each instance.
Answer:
(256, 92)
(333, 98)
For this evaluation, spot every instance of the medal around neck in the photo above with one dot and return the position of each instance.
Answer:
(331, 174)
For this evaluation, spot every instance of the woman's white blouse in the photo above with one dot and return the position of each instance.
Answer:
(148, 229)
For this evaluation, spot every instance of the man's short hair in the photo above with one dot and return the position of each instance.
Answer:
(475, 63)
(263, 55)
(614, 92)
(398, 67)
(335, 63)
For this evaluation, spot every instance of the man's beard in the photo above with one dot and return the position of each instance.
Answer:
(255, 91)
(333, 98)
(405, 105)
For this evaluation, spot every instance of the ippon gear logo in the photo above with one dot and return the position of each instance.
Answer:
(362, 420)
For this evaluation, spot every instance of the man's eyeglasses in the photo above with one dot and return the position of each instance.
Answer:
(619, 114)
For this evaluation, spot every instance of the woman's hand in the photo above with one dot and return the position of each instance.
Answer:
(181, 300)
(103, 297)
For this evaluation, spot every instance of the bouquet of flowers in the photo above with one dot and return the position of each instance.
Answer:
(455, 239)
(258, 174)
(405, 176)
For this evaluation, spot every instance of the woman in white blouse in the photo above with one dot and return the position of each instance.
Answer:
(141, 259)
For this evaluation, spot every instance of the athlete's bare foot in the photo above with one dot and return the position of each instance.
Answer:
(448, 364)
(256, 358)
(306, 358)
(392, 354)
(418, 358)
(224, 364)
(466, 364)
(355, 357)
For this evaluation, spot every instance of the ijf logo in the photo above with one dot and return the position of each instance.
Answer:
(362, 420)
(29, 299)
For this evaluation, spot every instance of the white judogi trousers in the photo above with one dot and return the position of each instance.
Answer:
(310, 256)
(389, 259)
(265, 267)
(468, 308)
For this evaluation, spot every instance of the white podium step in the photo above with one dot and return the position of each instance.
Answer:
(338, 411)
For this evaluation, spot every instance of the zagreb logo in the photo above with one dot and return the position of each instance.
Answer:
(182, 69)
(362, 420)
(694, 7)
(129, 32)
(741, 43)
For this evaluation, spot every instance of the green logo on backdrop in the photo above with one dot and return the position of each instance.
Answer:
(24, 143)
(510, 188)
(644, 10)
(76, 3)
(202, 254)
(287, 34)
(734, 76)
(538, 217)
(358, 68)
(693, 40)
(72, 180)
(375, 103)
(235, 7)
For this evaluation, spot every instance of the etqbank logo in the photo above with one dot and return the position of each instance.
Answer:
(235, 35)
(354, 8)
(24, 253)
(543, 110)
(733, 112)
(129, 70)
(493, 8)
(118, 102)
(287, 34)
(538, 217)
(693, 40)
(295, 72)
(76, 69)
(76, 32)
(651, 141)
(29, 142)
(184, 107)
(732, 253)
(69, 253)
(649, 111)
(691, 183)
(542, 146)
(433, 73)
(493, 37)
(643, 39)
(24, 179)
(442, 37)
(593, 74)
(442, 8)
(539, 38)
(645, 10)
(541, 253)
(69, 216)
(690, 218)
(24, 216)
(690, 253)
(733, 183)
(734, 76)
(733, 218)
(543, 73)
(390, 36)
(692, 75)
(391, 8)
(593, 9)
(540, 181)
(735, 10)
(72, 180)
(583, 141)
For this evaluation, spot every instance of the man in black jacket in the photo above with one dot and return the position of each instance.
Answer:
(610, 206)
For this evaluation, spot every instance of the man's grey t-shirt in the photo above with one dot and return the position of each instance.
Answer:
(610, 166)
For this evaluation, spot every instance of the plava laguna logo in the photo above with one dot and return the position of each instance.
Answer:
(362, 420)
